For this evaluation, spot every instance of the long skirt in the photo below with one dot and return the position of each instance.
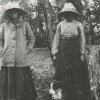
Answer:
(17, 84)
(71, 71)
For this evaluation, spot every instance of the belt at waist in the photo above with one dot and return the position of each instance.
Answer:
(69, 36)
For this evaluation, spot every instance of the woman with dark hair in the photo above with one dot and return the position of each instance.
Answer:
(16, 41)
(69, 48)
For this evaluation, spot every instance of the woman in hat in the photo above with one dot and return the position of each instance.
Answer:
(68, 48)
(16, 41)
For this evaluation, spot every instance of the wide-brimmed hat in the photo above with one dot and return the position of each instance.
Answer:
(68, 8)
(13, 7)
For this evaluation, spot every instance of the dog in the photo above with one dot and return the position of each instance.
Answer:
(55, 91)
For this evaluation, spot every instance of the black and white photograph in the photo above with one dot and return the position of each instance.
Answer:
(49, 49)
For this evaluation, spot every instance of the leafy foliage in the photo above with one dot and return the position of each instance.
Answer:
(91, 22)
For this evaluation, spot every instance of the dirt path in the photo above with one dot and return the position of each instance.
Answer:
(42, 70)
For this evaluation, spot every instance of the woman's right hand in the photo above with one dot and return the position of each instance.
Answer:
(54, 57)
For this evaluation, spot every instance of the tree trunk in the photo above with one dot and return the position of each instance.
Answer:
(49, 19)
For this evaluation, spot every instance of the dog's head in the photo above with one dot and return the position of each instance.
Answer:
(55, 91)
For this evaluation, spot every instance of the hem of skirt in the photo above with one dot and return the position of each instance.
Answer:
(14, 65)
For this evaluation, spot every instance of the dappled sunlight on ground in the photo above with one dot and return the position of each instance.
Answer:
(42, 70)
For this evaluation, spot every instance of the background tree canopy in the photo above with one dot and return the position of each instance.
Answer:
(42, 15)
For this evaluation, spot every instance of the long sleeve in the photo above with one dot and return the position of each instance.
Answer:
(30, 37)
(1, 38)
(82, 38)
(56, 40)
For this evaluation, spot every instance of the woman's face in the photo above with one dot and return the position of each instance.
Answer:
(69, 18)
(15, 15)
